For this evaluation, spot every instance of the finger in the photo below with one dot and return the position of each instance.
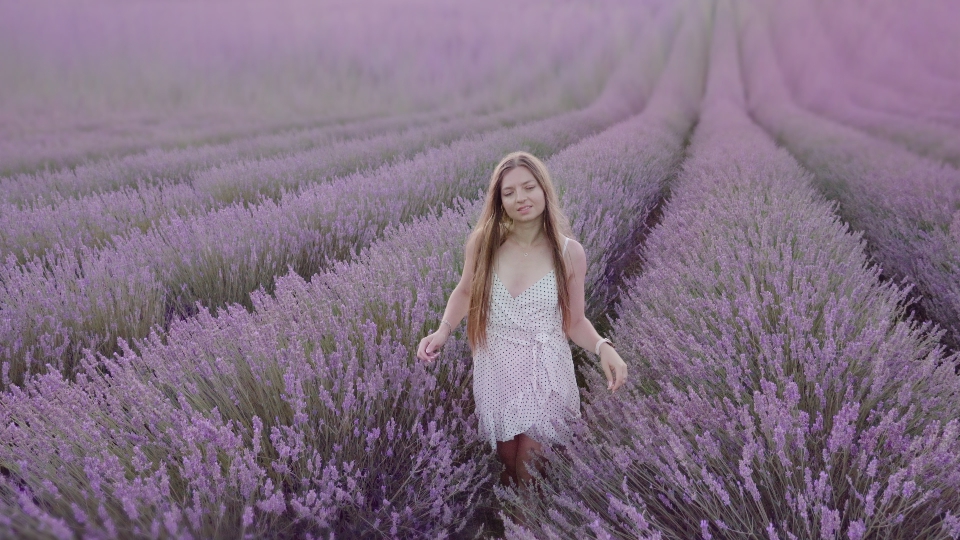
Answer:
(434, 348)
(622, 376)
(424, 349)
(606, 371)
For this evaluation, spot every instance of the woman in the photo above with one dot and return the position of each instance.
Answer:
(522, 287)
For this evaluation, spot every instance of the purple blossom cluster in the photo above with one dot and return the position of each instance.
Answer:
(907, 206)
(315, 417)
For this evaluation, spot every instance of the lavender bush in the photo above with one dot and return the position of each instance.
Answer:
(123, 457)
(904, 204)
(629, 167)
(776, 389)
(351, 435)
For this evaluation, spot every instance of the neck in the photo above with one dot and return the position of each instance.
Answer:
(526, 234)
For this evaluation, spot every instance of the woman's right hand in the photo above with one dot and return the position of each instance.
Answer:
(429, 347)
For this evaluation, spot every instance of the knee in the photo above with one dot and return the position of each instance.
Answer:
(527, 447)
(508, 455)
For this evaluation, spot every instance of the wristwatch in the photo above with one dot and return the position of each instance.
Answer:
(596, 350)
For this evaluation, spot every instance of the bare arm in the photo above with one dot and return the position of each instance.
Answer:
(580, 330)
(457, 306)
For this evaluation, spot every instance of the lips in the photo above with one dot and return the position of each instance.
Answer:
(524, 208)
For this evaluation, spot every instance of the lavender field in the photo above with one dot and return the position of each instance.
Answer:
(225, 226)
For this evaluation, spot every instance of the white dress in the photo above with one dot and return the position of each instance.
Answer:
(523, 380)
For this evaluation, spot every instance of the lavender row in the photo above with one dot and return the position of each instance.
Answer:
(588, 64)
(159, 165)
(328, 423)
(914, 114)
(56, 306)
(94, 220)
(169, 75)
(629, 167)
(908, 207)
(776, 389)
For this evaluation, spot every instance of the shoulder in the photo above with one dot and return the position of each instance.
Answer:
(472, 246)
(472, 240)
(575, 254)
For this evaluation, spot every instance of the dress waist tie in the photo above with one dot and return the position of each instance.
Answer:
(546, 344)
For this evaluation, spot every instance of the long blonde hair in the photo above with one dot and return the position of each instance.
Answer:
(491, 232)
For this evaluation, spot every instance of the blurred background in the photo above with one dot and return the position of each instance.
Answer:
(95, 76)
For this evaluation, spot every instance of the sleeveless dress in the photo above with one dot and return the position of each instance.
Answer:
(523, 380)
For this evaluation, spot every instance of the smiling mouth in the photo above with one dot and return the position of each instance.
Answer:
(522, 208)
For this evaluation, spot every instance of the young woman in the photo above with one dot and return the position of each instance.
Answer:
(522, 290)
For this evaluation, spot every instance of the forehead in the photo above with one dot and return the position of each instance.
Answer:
(517, 177)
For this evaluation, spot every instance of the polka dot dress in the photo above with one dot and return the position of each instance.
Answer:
(523, 380)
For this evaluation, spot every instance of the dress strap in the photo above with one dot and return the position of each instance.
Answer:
(565, 242)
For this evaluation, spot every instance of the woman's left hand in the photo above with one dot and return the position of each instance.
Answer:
(613, 367)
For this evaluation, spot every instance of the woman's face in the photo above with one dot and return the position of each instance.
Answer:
(521, 195)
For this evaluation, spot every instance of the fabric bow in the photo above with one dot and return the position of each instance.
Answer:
(547, 344)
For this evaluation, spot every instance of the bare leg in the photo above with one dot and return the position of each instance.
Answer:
(507, 452)
(526, 448)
